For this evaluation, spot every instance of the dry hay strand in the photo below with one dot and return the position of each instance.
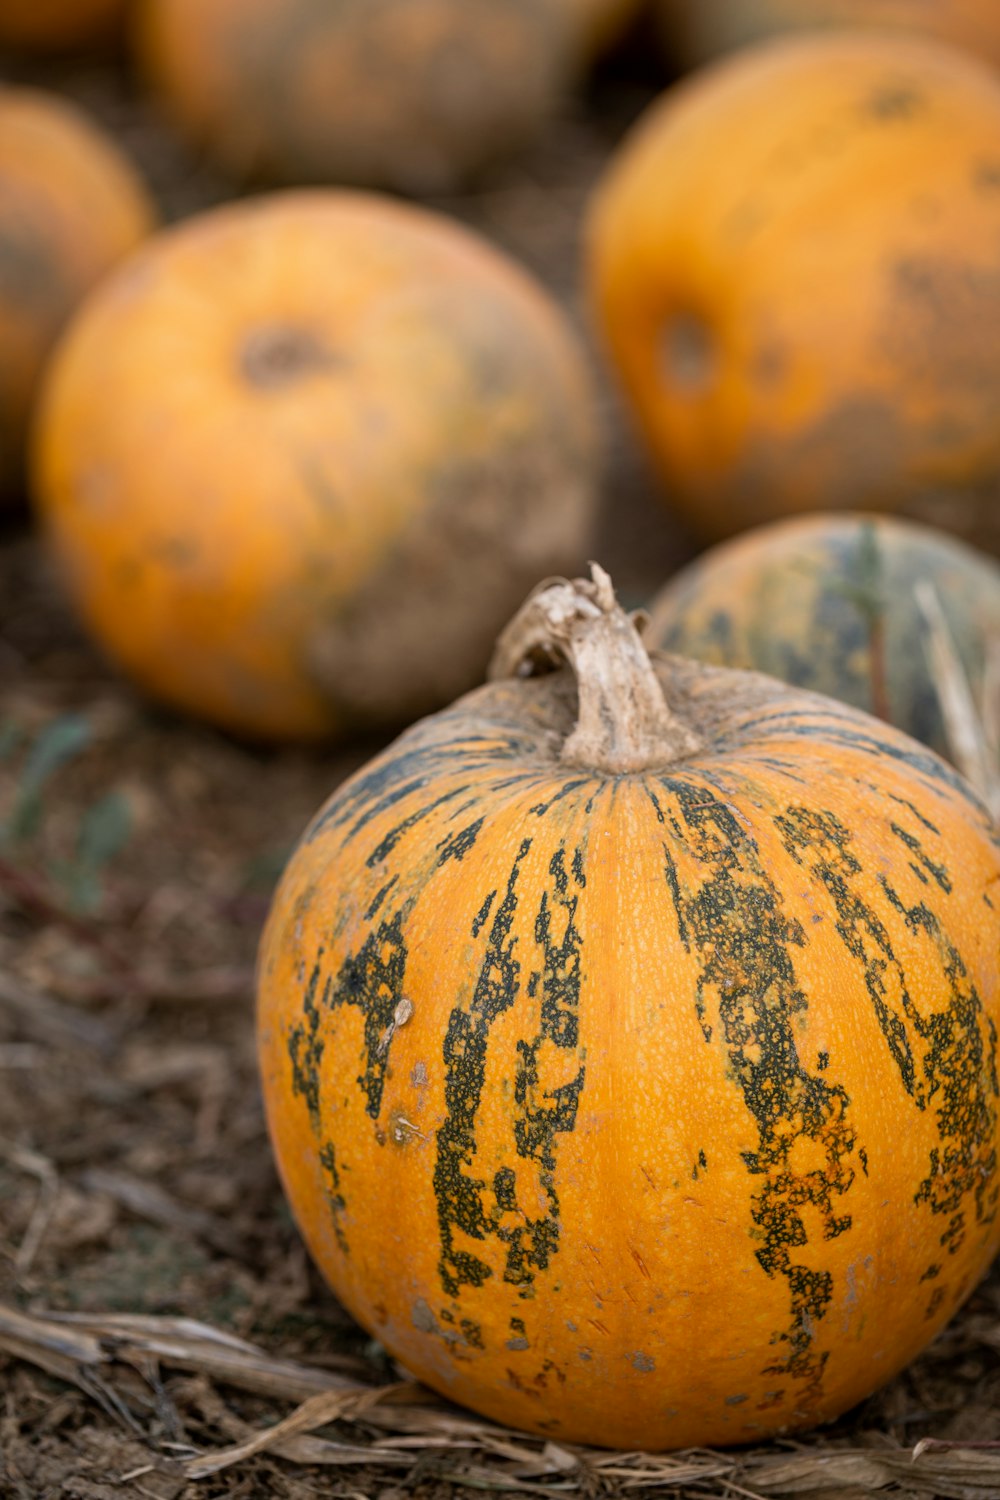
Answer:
(403, 1426)
(972, 721)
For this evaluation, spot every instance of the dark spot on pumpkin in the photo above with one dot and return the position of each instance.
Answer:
(894, 100)
(770, 365)
(305, 1049)
(932, 1273)
(517, 1343)
(457, 845)
(689, 357)
(736, 1400)
(939, 322)
(986, 175)
(644, 1363)
(328, 1161)
(936, 1298)
(276, 357)
(735, 922)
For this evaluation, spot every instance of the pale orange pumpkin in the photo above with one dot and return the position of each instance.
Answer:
(795, 260)
(697, 30)
(300, 456)
(71, 205)
(629, 1043)
(417, 95)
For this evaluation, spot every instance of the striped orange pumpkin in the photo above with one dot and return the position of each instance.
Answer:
(635, 1082)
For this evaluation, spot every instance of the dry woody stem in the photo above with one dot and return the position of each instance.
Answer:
(624, 722)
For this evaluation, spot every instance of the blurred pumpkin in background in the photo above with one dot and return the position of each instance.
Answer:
(832, 603)
(697, 30)
(795, 260)
(71, 205)
(302, 454)
(57, 25)
(415, 95)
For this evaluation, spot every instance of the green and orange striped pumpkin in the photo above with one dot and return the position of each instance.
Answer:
(635, 1082)
(833, 603)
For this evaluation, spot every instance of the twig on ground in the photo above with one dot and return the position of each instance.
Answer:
(48, 1191)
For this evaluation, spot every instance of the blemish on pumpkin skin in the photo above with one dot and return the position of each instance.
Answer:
(276, 357)
(944, 1060)
(894, 101)
(644, 1363)
(734, 921)
(418, 1075)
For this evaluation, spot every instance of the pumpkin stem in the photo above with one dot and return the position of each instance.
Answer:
(623, 720)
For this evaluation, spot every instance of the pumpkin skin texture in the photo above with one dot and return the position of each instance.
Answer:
(830, 603)
(71, 205)
(698, 30)
(413, 95)
(371, 432)
(645, 1108)
(52, 25)
(795, 260)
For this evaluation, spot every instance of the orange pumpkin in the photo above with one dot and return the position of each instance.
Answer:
(70, 206)
(417, 95)
(629, 1043)
(796, 264)
(697, 30)
(50, 25)
(833, 603)
(303, 453)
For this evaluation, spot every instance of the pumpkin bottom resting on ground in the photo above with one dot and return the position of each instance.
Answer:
(637, 1086)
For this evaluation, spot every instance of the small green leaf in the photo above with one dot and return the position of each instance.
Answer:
(105, 829)
(57, 744)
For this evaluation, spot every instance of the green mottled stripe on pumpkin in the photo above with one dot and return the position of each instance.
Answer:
(828, 603)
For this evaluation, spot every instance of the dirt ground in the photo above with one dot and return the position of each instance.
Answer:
(137, 856)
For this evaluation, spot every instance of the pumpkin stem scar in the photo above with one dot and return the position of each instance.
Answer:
(280, 355)
(623, 720)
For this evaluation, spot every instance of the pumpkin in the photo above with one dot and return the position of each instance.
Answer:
(417, 95)
(832, 603)
(795, 260)
(697, 30)
(70, 206)
(50, 25)
(628, 1042)
(300, 457)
